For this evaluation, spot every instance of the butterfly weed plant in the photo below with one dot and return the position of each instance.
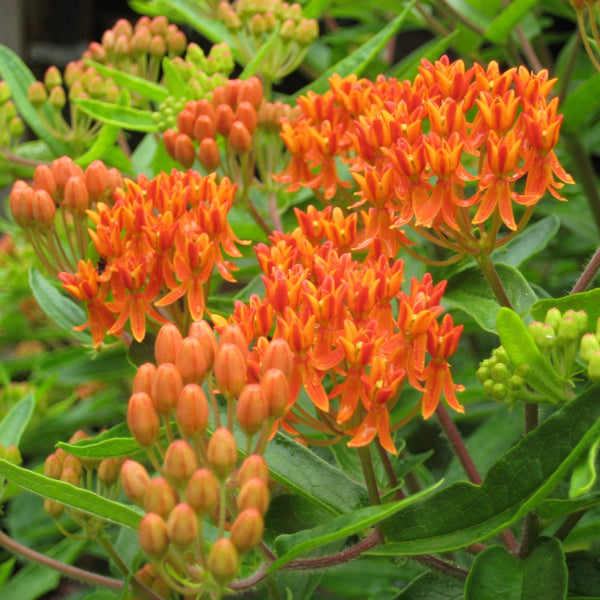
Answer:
(331, 342)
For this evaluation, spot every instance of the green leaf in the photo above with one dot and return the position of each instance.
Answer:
(313, 9)
(294, 545)
(584, 474)
(581, 105)
(470, 293)
(6, 568)
(111, 444)
(430, 586)
(18, 76)
(584, 575)
(148, 89)
(126, 117)
(62, 310)
(408, 67)
(33, 580)
(173, 79)
(254, 65)
(521, 348)
(496, 573)
(68, 494)
(587, 301)
(463, 513)
(14, 423)
(502, 26)
(360, 58)
(556, 508)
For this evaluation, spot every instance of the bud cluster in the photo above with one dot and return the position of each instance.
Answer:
(212, 390)
(63, 187)
(101, 476)
(559, 339)
(11, 124)
(251, 24)
(138, 49)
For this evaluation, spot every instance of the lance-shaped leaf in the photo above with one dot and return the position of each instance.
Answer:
(584, 474)
(14, 423)
(69, 495)
(133, 119)
(464, 513)
(501, 27)
(113, 443)
(296, 544)
(521, 349)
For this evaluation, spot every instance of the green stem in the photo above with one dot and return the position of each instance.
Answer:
(489, 271)
(366, 463)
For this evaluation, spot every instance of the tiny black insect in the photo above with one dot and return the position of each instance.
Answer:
(101, 265)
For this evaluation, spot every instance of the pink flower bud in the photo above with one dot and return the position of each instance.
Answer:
(52, 467)
(96, 180)
(43, 179)
(240, 138)
(43, 208)
(108, 471)
(277, 355)
(76, 196)
(153, 536)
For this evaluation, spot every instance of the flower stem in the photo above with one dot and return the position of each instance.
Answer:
(489, 271)
(366, 463)
(588, 274)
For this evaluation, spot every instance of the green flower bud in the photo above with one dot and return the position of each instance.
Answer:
(501, 355)
(57, 98)
(553, 318)
(488, 388)
(522, 370)
(37, 95)
(499, 372)
(52, 78)
(16, 127)
(515, 383)
(594, 367)
(482, 373)
(499, 392)
(4, 93)
(568, 330)
(589, 344)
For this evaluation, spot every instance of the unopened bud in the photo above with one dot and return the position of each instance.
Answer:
(254, 466)
(158, 46)
(167, 344)
(553, 318)
(70, 475)
(240, 138)
(192, 362)
(307, 32)
(76, 196)
(180, 463)
(499, 372)
(135, 481)
(278, 355)
(166, 388)
(57, 98)
(73, 462)
(182, 525)
(287, 31)
(246, 113)
(251, 91)
(515, 383)
(589, 345)
(247, 529)
(37, 95)
(97, 180)
(144, 378)
(142, 419)
(222, 453)
(140, 41)
(53, 508)
(209, 154)
(223, 560)
(43, 179)
(13, 455)
(257, 25)
(159, 25)
(277, 392)
(21, 203)
(52, 466)
(204, 332)
(594, 367)
(251, 409)
(169, 137)
(184, 150)
(204, 127)
(4, 93)
(224, 117)
(230, 369)
(192, 410)
(63, 168)
(43, 208)
(176, 43)
(185, 122)
(108, 471)
(160, 497)
(202, 492)
(253, 494)
(153, 536)
(499, 392)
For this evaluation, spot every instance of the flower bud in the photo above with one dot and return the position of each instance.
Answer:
(192, 361)
(166, 388)
(230, 369)
(482, 373)
(253, 494)
(16, 127)
(568, 330)
(184, 150)
(246, 113)
(153, 536)
(247, 529)
(553, 318)
(160, 497)
(176, 43)
(257, 25)
(594, 367)
(158, 47)
(234, 334)
(522, 370)
(192, 410)
(251, 91)
(277, 392)
(76, 196)
(135, 481)
(251, 409)
(140, 41)
(501, 355)
(37, 95)
(204, 127)
(4, 93)
(142, 419)
(159, 25)
(185, 122)
(43, 208)
(240, 138)
(499, 392)
(63, 168)
(52, 466)
(224, 117)
(70, 475)
(53, 508)
(57, 98)
(21, 203)
(278, 355)
(204, 332)
(169, 137)
(144, 378)
(43, 179)
(108, 471)
(307, 32)
(223, 560)
(97, 180)
(73, 462)
(202, 492)
(182, 526)
(167, 344)
(222, 453)
(589, 345)
(515, 383)
(180, 463)
(209, 154)
(253, 466)
(499, 372)
(287, 31)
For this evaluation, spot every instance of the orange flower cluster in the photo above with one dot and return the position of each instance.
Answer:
(158, 245)
(355, 334)
(446, 152)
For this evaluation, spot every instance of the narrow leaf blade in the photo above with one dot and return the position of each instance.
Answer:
(14, 423)
(133, 119)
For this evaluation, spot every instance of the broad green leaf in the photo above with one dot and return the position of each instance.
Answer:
(18, 76)
(588, 301)
(584, 474)
(470, 293)
(555, 508)
(34, 580)
(360, 58)
(62, 310)
(463, 513)
(254, 64)
(408, 67)
(148, 89)
(496, 573)
(584, 575)
(580, 106)
(68, 494)
(303, 472)
(133, 119)
(521, 348)
(502, 26)
(14, 423)
(313, 9)
(175, 82)
(430, 586)
(112, 443)
(294, 545)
